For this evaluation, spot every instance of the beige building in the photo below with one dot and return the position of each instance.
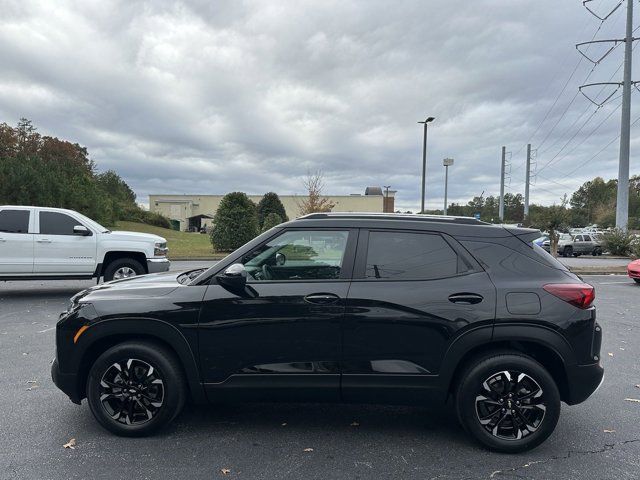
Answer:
(191, 212)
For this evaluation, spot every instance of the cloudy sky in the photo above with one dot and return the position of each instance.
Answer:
(216, 96)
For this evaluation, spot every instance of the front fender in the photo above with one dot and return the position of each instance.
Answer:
(105, 333)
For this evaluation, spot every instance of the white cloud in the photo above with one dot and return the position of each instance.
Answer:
(209, 97)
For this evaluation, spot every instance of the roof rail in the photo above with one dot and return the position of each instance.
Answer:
(396, 216)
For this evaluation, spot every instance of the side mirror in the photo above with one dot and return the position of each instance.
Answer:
(234, 278)
(280, 259)
(81, 230)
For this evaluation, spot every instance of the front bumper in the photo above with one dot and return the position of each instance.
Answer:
(633, 273)
(68, 383)
(157, 265)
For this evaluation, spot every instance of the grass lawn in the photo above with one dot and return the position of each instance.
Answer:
(181, 244)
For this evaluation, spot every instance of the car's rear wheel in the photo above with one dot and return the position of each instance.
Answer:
(135, 388)
(123, 268)
(596, 251)
(508, 402)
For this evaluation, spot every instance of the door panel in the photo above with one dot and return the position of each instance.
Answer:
(397, 330)
(16, 243)
(58, 250)
(280, 339)
(274, 334)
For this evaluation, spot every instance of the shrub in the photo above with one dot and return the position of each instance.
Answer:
(235, 222)
(137, 214)
(270, 203)
(271, 221)
(618, 242)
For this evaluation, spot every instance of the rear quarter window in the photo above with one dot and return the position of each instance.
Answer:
(14, 221)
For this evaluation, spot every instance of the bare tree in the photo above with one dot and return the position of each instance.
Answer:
(314, 202)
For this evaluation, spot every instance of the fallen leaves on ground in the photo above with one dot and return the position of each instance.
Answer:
(610, 354)
(638, 386)
(70, 444)
(632, 400)
(609, 431)
(225, 471)
(308, 450)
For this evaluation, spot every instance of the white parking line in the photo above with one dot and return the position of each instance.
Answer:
(47, 329)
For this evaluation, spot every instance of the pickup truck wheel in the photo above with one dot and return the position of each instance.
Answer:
(123, 268)
(568, 251)
(508, 402)
(136, 388)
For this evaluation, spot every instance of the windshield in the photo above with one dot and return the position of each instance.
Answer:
(93, 224)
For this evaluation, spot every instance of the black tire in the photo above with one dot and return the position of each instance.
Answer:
(113, 413)
(637, 280)
(123, 263)
(469, 402)
(567, 252)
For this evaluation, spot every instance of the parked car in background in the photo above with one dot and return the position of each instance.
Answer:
(540, 240)
(54, 243)
(581, 244)
(633, 270)
(360, 308)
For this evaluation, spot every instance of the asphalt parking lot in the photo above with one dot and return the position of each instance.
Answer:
(595, 440)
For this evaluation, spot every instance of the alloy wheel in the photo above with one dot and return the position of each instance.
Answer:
(510, 405)
(132, 391)
(124, 272)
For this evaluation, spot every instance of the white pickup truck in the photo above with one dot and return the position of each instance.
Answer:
(54, 243)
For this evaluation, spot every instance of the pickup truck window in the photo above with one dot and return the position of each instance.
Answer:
(14, 221)
(53, 223)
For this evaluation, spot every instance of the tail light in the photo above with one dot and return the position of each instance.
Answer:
(580, 295)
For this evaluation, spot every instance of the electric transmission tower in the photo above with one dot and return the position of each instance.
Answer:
(622, 204)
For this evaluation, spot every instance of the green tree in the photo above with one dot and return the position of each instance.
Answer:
(270, 221)
(552, 219)
(235, 222)
(270, 203)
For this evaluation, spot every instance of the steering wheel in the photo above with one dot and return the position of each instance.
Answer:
(267, 274)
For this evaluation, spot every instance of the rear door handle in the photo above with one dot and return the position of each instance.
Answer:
(321, 298)
(466, 298)
(44, 240)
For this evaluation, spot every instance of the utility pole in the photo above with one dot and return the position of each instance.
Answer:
(504, 159)
(447, 162)
(622, 200)
(526, 183)
(385, 202)
(622, 204)
(424, 160)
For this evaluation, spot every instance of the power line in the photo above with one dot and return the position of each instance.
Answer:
(564, 87)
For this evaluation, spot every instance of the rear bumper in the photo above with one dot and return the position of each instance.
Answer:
(583, 380)
(68, 383)
(157, 265)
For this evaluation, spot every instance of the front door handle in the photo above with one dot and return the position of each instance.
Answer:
(322, 298)
(44, 240)
(466, 298)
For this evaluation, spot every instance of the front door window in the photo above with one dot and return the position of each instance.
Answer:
(299, 255)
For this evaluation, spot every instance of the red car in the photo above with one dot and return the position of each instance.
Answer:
(633, 270)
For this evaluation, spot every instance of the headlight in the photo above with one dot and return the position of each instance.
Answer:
(160, 249)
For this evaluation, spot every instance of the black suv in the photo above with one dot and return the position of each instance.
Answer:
(402, 309)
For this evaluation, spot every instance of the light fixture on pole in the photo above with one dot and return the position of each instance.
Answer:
(424, 159)
(447, 162)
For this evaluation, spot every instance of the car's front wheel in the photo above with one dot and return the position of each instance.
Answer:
(135, 388)
(123, 268)
(508, 402)
(567, 252)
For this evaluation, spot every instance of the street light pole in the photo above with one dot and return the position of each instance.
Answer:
(386, 199)
(447, 162)
(424, 160)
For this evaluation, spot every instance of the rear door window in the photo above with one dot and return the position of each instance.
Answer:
(409, 256)
(14, 221)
